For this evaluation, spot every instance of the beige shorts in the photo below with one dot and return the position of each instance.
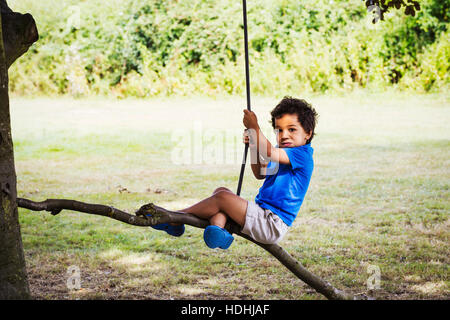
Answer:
(263, 225)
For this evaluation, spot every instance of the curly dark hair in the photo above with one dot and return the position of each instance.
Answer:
(306, 114)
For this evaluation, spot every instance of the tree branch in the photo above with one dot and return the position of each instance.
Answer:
(161, 215)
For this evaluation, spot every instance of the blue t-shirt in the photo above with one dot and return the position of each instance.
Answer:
(283, 191)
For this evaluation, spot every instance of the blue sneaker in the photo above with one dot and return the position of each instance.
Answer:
(216, 237)
(176, 231)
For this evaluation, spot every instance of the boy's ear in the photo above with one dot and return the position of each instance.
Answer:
(308, 136)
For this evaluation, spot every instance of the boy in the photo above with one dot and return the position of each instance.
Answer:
(286, 168)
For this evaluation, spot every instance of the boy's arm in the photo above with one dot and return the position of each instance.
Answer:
(267, 149)
(263, 146)
(258, 163)
(259, 166)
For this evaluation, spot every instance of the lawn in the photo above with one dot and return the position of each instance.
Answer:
(379, 196)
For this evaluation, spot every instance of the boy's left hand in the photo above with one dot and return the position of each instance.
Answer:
(250, 120)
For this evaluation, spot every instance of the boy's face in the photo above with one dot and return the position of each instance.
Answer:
(289, 131)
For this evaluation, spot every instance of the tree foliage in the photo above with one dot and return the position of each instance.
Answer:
(163, 47)
(410, 6)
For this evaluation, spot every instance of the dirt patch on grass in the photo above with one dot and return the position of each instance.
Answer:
(48, 278)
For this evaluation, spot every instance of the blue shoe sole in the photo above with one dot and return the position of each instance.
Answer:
(176, 231)
(216, 237)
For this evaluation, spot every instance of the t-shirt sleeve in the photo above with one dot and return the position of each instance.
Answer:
(298, 157)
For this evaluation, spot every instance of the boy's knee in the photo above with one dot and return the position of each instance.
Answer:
(222, 195)
(219, 193)
(220, 189)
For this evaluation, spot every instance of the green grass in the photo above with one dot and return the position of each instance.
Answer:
(379, 196)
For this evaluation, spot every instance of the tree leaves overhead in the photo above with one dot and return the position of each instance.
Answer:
(164, 47)
(383, 6)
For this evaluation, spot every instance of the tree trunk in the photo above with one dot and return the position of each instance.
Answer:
(17, 33)
(13, 275)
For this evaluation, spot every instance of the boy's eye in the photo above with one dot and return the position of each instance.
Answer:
(291, 130)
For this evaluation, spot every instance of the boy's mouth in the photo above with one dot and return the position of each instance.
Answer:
(286, 144)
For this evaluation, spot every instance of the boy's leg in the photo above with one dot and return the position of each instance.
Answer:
(219, 219)
(222, 201)
(221, 189)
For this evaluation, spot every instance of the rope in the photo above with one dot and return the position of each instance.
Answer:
(247, 84)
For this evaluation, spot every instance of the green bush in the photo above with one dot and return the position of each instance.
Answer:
(166, 47)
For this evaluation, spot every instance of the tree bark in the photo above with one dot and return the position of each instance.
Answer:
(161, 215)
(17, 33)
(13, 276)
